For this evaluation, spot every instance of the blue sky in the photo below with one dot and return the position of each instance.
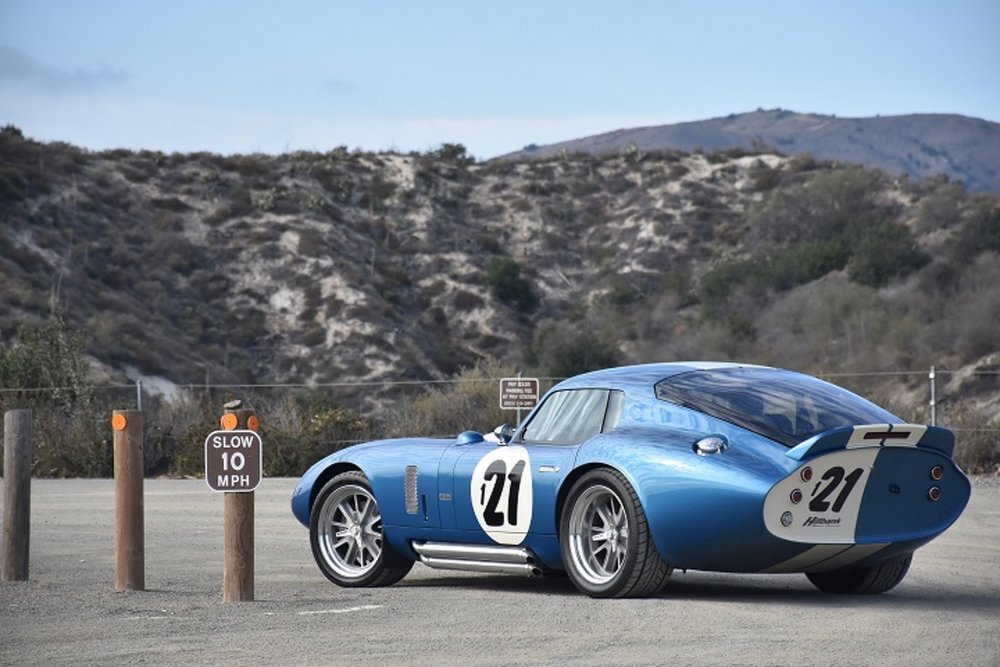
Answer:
(248, 76)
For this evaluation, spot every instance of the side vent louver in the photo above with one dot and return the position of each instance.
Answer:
(410, 490)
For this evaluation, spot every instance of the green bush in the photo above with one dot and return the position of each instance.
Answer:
(805, 262)
(980, 233)
(882, 252)
(46, 356)
(48, 374)
(503, 276)
(820, 209)
(566, 348)
(718, 286)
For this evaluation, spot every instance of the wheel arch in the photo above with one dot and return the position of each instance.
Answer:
(326, 475)
(574, 476)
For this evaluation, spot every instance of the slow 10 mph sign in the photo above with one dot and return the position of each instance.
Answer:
(233, 460)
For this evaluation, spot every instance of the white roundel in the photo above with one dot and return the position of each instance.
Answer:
(501, 494)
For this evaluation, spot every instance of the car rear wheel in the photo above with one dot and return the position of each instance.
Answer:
(876, 579)
(345, 531)
(606, 545)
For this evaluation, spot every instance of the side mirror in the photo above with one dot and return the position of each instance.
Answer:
(504, 433)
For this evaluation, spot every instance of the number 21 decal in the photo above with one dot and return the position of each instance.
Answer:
(833, 477)
(502, 495)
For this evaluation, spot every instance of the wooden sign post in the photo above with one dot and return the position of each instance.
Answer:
(233, 463)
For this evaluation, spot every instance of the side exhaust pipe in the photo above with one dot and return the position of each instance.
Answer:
(478, 558)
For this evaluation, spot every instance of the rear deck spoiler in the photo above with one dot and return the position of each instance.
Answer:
(875, 435)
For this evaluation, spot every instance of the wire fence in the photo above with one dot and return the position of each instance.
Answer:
(303, 422)
(133, 395)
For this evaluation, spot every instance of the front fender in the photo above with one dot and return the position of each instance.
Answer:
(384, 463)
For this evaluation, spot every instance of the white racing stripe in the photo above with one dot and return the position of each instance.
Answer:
(825, 557)
(808, 558)
(852, 555)
(908, 435)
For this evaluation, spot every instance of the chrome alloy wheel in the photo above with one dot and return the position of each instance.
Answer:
(599, 534)
(350, 531)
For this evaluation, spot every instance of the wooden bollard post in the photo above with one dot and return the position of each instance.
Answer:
(238, 517)
(130, 550)
(237, 574)
(16, 494)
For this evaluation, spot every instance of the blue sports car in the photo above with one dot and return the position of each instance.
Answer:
(619, 476)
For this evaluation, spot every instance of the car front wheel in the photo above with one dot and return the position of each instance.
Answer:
(875, 579)
(345, 531)
(606, 544)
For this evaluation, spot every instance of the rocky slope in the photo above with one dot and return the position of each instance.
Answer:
(325, 267)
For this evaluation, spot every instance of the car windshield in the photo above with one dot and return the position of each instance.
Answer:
(783, 406)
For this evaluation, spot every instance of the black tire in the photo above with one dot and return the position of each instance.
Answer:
(616, 560)
(345, 531)
(865, 580)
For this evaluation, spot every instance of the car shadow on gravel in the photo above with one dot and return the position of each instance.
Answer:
(707, 587)
(547, 585)
(769, 590)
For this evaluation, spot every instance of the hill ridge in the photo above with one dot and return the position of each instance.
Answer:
(921, 145)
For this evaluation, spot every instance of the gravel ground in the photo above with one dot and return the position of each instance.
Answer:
(947, 611)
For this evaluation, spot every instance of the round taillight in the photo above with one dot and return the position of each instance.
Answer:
(934, 493)
(937, 472)
(806, 474)
(795, 496)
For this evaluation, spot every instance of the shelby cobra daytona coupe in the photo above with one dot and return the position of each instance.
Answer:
(620, 475)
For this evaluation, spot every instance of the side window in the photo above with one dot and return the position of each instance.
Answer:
(569, 417)
(616, 401)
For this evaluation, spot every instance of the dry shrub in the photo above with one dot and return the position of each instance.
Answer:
(472, 402)
(977, 440)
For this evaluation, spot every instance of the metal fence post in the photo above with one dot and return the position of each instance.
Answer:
(932, 377)
(17, 493)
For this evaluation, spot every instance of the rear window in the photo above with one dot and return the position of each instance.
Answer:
(783, 406)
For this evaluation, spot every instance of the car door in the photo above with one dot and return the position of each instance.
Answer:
(501, 492)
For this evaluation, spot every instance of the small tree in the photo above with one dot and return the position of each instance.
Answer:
(453, 153)
(46, 368)
(49, 358)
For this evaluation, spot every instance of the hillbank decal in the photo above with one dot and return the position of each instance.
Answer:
(821, 522)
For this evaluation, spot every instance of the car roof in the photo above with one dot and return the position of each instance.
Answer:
(640, 376)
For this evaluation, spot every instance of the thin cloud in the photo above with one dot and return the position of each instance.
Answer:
(18, 69)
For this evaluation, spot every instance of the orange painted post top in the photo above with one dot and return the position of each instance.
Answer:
(119, 421)
(237, 417)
